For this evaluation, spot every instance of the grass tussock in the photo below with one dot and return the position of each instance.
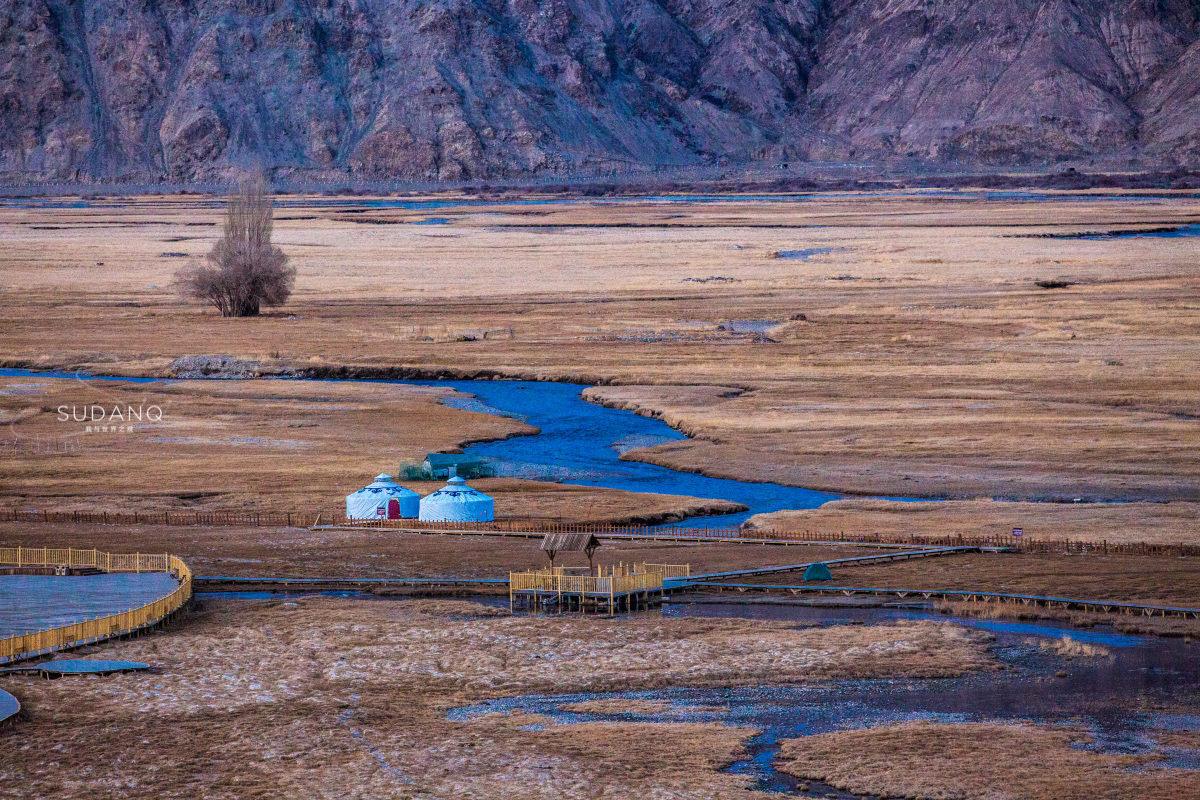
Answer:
(1188, 740)
(985, 761)
(1066, 647)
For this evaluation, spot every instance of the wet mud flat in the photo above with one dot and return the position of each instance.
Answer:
(1124, 695)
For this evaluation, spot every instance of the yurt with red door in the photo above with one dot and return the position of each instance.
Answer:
(383, 499)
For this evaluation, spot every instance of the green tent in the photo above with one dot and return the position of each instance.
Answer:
(817, 572)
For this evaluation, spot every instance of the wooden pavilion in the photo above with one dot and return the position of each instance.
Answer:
(555, 543)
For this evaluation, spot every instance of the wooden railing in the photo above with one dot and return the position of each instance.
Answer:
(68, 557)
(670, 570)
(272, 519)
(539, 528)
(15, 648)
(1023, 544)
(619, 580)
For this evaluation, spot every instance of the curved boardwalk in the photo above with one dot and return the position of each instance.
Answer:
(39, 602)
(65, 637)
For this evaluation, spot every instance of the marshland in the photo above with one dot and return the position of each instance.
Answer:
(958, 363)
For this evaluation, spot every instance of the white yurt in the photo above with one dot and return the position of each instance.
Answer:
(383, 499)
(457, 502)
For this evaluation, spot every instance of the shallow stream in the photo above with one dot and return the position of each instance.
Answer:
(581, 443)
(1123, 698)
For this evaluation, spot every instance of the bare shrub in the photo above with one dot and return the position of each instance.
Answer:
(244, 271)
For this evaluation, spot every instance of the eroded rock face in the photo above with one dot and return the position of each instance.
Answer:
(459, 89)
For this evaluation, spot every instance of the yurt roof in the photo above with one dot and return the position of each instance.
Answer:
(385, 483)
(457, 490)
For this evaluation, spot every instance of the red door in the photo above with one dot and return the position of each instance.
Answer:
(393, 509)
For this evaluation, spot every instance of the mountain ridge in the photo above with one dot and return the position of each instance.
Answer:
(187, 90)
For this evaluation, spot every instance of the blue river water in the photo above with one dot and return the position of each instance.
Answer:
(581, 443)
(1125, 695)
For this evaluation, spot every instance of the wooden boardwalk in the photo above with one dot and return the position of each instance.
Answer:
(9, 708)
(881, 558)
(125, 623)
(239, 583)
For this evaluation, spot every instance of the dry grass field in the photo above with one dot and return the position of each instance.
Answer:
(338, 698)
(284, 446)
(300, 552)
(927, 361)
(1153, 580)
(981, 762)
(868, 344)
(1159, 523)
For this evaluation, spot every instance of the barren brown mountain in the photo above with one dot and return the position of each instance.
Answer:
(453, 89)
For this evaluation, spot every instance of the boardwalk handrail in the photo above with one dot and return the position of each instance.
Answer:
(15, 648)
(1022, 544)
(670, 570)
(617, 582)
(1005, 541)
(273, 519)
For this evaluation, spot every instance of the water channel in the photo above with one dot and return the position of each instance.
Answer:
(580, 443)
(1138, 687)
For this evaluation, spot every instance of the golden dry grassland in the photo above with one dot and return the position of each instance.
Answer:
(1152, 580)
(283, 446)
(981, 762)
(1159, 523)
(344, 698)
(927, 361)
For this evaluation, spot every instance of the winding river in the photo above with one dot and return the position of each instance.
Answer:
(581, 443)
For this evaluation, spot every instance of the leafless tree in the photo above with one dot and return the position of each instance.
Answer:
(244, 271)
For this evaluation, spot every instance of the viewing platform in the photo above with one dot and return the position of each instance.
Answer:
(616, 588)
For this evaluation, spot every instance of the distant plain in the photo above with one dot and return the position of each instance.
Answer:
(907, 351)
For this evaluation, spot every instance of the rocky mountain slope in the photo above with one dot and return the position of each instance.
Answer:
(450, 89)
